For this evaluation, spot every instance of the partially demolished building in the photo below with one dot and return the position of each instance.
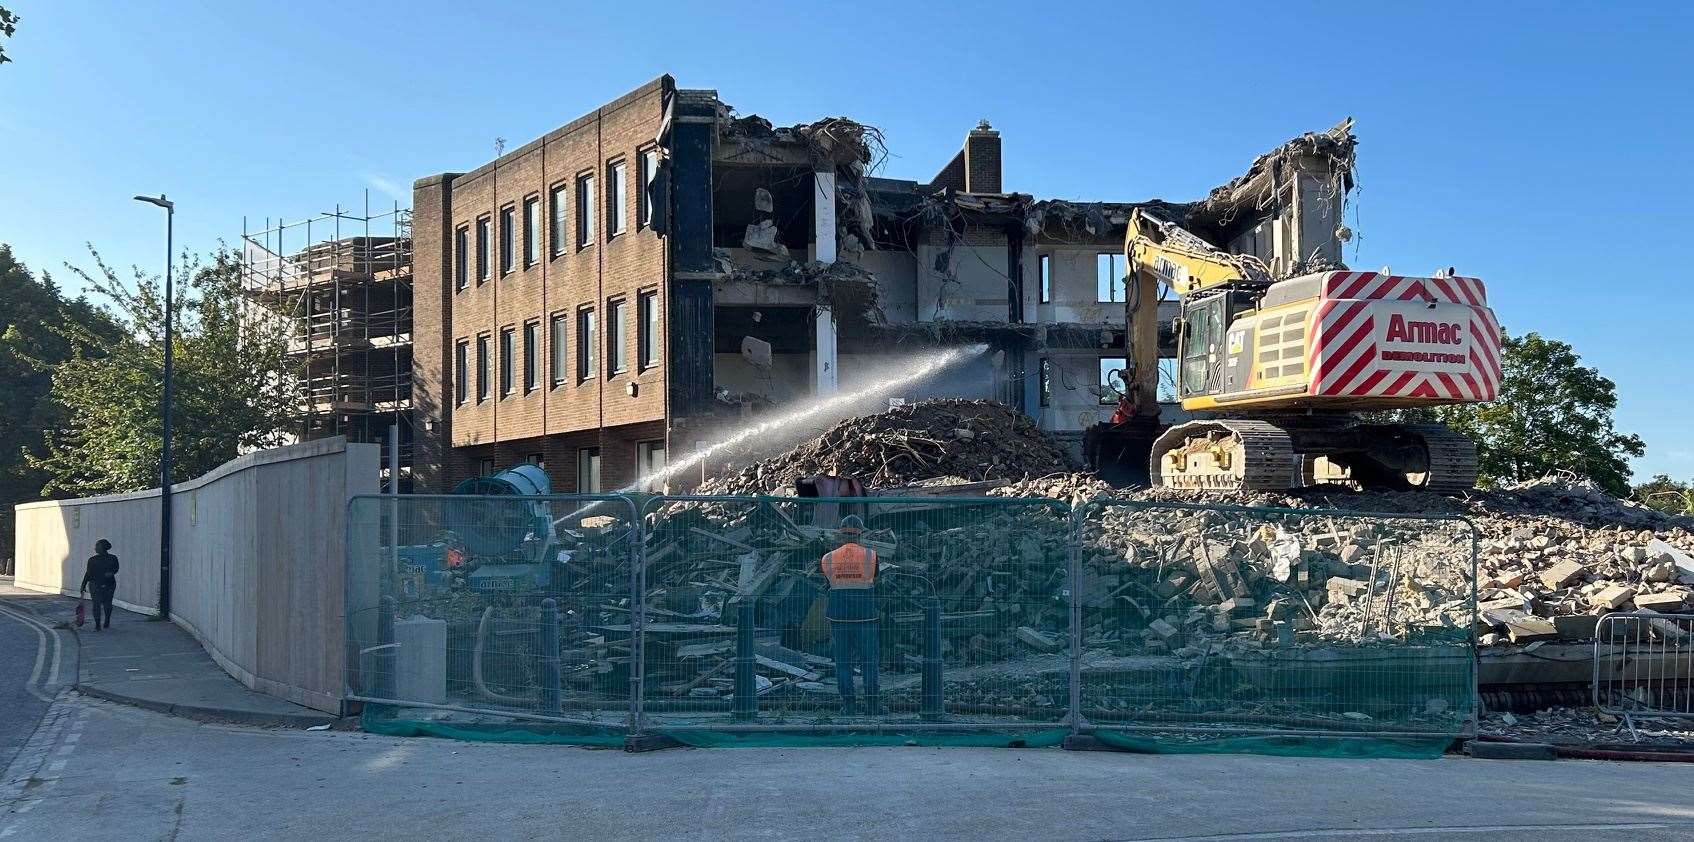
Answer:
(650, 274)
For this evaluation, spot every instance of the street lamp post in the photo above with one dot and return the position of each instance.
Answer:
(165, 410)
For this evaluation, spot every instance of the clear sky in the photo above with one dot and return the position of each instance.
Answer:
(1541, 146)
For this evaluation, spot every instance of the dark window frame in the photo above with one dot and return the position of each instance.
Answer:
(584, 210)
(482, 366)
(616, 331)
(558, 344)
(461, 372)
(508, 341)
(1117, 288)
(1109, 397)
(484, 246)
(531, 355)
(648, 327)
(646, 170)
(586, 338)
(617, 197)
(558, 237)
(508, 240)
(461, 258)
(531, 230)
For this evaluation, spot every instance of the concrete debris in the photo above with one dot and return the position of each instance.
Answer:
(971, 440)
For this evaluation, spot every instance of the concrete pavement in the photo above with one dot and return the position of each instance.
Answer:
(155, 665)
(100, 771)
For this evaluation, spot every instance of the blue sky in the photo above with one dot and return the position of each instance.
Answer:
(1543, 147)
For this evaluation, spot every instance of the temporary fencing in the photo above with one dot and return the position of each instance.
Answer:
(1217, 628)
(602, 619)
(1644, 665)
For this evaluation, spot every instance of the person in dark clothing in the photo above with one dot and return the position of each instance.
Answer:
(850, 570)
(101, 581)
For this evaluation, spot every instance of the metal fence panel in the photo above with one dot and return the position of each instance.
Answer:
(966, 629)
(1644, 664)
(1209, 624)
(468, 613)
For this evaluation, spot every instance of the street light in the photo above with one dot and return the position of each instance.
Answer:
(165, 410)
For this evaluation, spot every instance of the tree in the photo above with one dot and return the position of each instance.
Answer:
(1667, 495)
(8, 25)
(1552, 414)
(233, 389)
(30, 345)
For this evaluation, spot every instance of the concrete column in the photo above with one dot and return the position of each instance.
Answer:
(823, 220)
(824, 380)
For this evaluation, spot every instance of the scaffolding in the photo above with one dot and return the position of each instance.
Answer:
(342, 281)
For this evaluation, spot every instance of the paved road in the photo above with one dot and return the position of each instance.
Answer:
(27, 650)
(97, 771)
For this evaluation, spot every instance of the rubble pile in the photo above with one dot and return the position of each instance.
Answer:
(971, 440)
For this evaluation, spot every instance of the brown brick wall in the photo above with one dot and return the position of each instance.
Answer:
(565, 280)
(432, 346)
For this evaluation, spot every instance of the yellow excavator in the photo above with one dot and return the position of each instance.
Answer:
(1272, 370)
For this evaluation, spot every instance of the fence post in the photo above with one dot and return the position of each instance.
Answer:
(637, 618)
(1074, 704)
(746, 691)
(385, 648)
(550, 654)
(932, 707)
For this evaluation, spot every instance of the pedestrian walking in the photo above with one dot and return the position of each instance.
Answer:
(101, 582)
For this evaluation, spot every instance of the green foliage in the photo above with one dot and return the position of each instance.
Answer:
(1665, 494)
(1553, 414)
(29, 348)
(233, 390)
(8, 26)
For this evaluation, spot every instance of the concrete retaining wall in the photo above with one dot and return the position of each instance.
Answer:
(258, 560)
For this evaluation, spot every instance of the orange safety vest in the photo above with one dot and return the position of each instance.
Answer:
(850, 566)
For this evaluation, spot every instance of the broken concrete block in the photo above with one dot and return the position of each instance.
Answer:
(1164, 630)
(1038, 640)
(1634, 554)
(1527, 628)
(1665, 552)
(1347, 587)
(1236, 605)
(1561, 574)
(1612, 596)
(1576, 626)
(1668, 601)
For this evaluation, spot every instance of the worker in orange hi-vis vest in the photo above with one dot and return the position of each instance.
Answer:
(851, 572)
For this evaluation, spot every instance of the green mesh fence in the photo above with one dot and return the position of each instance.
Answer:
(493, 617)
(1167, 628)
(961, 639)
(1211, 628)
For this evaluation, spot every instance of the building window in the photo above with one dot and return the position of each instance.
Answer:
(588, 470)
(482, 264)
(461, 257)
(584, 210)
(1112, 385)
(556, 358)
(461, 372)
(649, 170)
(506, 339)
(1045, 265)
(539, 460)
(617, 358)
(507, 255)
(556, 223)
(585, 339)
(485, 467)
(1108, 278)
(531, 231)
(482, 368)
(615, 196)
(531, 356)
(1046, 382)
(647, 331)
(650, 464)
(1167, 380)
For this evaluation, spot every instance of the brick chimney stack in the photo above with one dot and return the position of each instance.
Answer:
(982, 160)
